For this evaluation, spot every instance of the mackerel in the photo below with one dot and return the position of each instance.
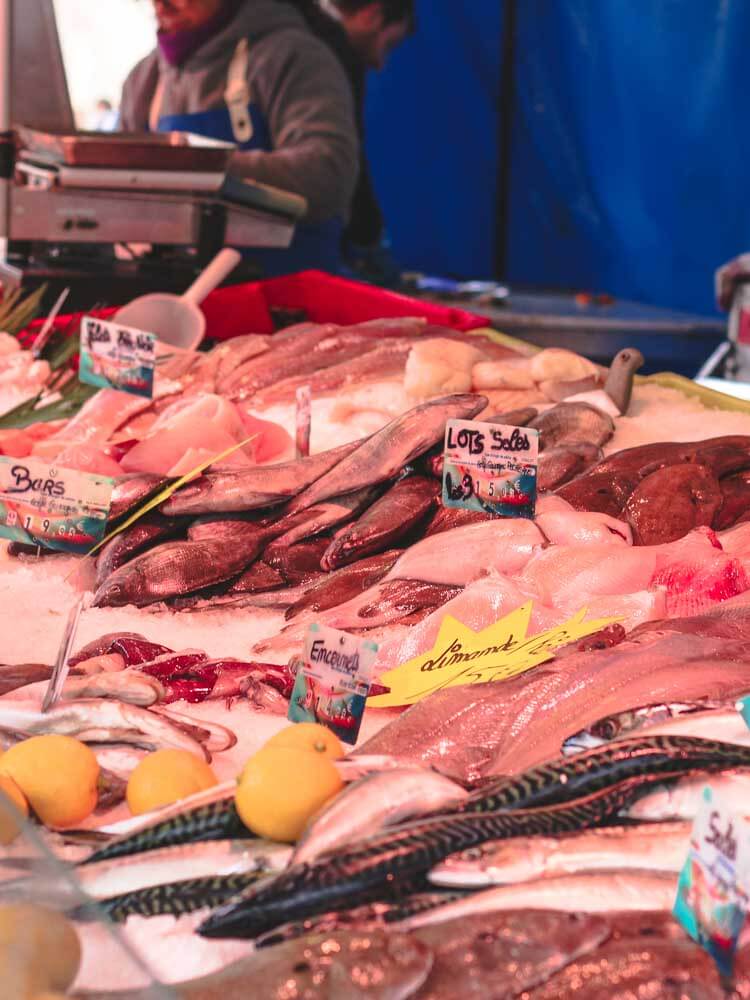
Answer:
(647, 846)
(625, 724)
(250, 489)
(385, 454)
(382, 865)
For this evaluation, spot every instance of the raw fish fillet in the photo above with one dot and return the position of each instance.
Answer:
(88, 458)
(101, 416)
(583, 528)
(271, 440)
(464, 554)
(564, 574)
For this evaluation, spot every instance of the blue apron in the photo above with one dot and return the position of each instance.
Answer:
(314, 246)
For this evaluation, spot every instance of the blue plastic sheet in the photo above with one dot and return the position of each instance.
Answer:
(629, 144)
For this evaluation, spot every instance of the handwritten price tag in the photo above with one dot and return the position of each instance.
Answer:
(117, 357)
(333, 681)
(462, 656)
(712, 895)
(56, 508)
(490, 467)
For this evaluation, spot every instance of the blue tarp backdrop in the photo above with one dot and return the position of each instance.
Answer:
(628, 150)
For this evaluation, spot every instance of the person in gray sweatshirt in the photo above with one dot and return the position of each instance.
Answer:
(251, 72)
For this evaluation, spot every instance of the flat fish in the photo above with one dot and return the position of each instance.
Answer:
(605, 492)
(249, 489)
(649, 846)
(385, 454)
(582, 892)
(505, 954)
(735, 503)
(669, 503)
(176, 568)
(573, 422)
(561, 463)
(391, 517)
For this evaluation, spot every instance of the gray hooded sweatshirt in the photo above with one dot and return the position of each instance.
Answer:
(299, 87)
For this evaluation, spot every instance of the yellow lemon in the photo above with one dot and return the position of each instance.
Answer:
(309, 736)
(38, 946)
(13, 809)
(165, 777)
(280, 789)
(57, 774)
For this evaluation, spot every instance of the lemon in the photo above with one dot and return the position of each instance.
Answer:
(165, 777)
(57, 774)
(280, 789)
(13, 809)
(38, 947)
(309, 736)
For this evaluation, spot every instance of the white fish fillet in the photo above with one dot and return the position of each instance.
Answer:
(100, 417)
(577, 527)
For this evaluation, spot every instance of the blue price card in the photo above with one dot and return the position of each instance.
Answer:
(490, 468)
(333, 681)
(117, 357)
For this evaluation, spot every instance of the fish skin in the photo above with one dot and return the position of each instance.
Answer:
(375, 965)
(297, 527)
(384, 455)
(572, 422)
(506, 727)
(637, 967)
(14, 676)
(649, 846)
(391, 517)
(669, 503)
(259, 578)
(344, 584)
(374, 802)
(380, 865)
(296, 563)
(502, 955)
(379, 362)
(98, 720)
(629, 722)
(602, 492)
(250, 489)
(684, 798)
(141, 535)
(447, 518)
(176, 568)
(130, 491)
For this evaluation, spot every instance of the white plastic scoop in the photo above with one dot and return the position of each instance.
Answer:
(177, 320)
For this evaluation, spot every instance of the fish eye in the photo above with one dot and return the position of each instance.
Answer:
(301, 967)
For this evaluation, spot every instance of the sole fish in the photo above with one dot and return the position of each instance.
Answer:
(649, 847)
(385, 454)
(250, 489)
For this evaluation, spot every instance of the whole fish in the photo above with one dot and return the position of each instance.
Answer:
(19, 675)
(258, 579)
(296, 563)
(117, 877)
(637, 967)
(506, 727)
(128, 686)
(374, 802)
(223, 526)
(573, 422)
(648, 847)
(227, 357)
(325, 516)
(249, 489)
(178, 898)
(625, 724)
(379, 965)
(385, 454)
(98, 720)
(506, 954)
(391, 517)
(582, 892)
(684, 798)
(379, 866)
(130, 491)
(380, 362)
(725, 723)
(176, 568)
(142, 535)
(343, 584)
(210, 821)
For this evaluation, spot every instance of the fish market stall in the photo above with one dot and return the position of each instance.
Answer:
(399, 668)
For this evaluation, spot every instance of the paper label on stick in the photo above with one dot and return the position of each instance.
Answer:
(333, 681)
(712, 894)
(61, 509)
(117, 357)
(462, 656)
(490, 468)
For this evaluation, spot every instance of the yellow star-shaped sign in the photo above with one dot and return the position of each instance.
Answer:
(462, 656)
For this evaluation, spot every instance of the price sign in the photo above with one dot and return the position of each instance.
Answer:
(117, 357)
(333, 681)
(490, 467)
(56, 508)
(712, 895)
